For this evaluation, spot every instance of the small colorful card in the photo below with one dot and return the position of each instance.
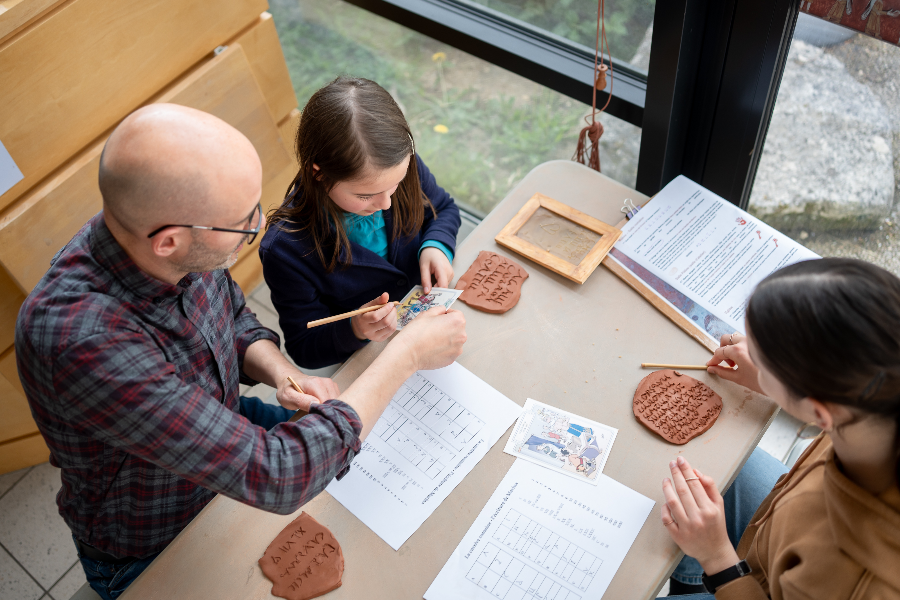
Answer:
(416, 302)
(561, 441)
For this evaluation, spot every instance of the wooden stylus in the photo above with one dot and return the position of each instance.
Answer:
(347, 315)
(684, 367)
(296, 385)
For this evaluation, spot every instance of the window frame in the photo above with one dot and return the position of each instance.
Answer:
(704, 106)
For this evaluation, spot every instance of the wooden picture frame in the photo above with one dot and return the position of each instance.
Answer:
(583, 259)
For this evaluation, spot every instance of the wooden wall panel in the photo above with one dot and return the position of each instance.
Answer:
(44, 220)
(8, 369)
(15, 14)
(17, 421)
(47, 218)
(11, 298)
(23, 452)
(263, 50)
(82, 68)
(288, 130)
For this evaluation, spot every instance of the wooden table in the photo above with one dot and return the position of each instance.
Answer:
(575, 346)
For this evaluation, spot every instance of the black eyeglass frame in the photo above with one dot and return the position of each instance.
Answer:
(252, 232)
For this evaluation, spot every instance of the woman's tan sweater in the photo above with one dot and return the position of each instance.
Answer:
(819, 536)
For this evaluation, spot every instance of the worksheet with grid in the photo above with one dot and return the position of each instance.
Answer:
(544, 536)
(436, 428)
(426, 426)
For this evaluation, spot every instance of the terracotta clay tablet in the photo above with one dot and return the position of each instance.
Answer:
(677, 407)
(493, 283)
(304, 561)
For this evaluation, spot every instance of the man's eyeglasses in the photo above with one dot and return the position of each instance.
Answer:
(251, 232)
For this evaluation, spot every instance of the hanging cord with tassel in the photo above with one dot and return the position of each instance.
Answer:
(590, 155)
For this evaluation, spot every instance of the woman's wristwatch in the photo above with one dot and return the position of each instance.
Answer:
(713, 582)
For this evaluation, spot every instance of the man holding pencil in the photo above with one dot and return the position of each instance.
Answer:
(132, 346)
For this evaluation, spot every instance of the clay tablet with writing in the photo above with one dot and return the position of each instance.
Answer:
(675, 406)
(304, 561)
(493, 283)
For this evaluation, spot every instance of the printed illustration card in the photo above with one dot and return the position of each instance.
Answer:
(416, 302)
(561, 441)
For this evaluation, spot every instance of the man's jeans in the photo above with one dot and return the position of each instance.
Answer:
(110, 580)
(750, 488)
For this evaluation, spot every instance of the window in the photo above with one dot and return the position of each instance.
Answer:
(479, 128)
(828, 174)
(629, 24)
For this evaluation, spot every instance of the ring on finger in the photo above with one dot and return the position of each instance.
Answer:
(691, 478)
(669, 523)
(731, 338)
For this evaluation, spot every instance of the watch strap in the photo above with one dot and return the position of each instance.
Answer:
(713, 582)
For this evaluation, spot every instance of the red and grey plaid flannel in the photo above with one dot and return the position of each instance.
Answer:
(134, 385)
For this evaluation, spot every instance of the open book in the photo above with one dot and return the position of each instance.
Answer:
(698, 258)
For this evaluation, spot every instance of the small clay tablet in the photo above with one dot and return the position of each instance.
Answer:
(304, 561)
(492, 284)
(677, 407)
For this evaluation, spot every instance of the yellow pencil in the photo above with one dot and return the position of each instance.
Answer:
(347, 315)
(662, 366)
(296, 385)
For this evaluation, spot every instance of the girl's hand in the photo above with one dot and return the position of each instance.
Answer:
(377, 325)
(694, 515)
(434, 262)
(733, 351)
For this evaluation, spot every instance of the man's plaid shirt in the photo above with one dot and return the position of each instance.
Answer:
(134, 385)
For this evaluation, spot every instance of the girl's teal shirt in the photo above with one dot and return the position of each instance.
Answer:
(370, 232)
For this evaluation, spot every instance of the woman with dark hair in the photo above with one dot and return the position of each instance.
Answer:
(363, 221)
(823, 341)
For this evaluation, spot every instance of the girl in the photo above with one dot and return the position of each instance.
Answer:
(363, 222)
(823, 341)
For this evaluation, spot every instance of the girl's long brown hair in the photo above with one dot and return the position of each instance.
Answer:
(347, 127)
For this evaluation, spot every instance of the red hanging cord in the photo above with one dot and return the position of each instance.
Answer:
(589, 155)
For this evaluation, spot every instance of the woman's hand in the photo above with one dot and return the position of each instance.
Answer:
(315, 391)
(694, 515)
(433, 262)
(733, 351)
(377, 325)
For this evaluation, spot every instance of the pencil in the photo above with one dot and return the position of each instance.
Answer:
(346, 315)
(661, 366)
(296, 385)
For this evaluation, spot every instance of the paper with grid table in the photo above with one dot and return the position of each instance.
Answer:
(435, 430)
(543, 536)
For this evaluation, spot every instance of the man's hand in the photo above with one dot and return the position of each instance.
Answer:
(733, 351)
(316, 390)
(694, 515)
(433, 262)
(377, 325)
(435, 338)
(432, 341)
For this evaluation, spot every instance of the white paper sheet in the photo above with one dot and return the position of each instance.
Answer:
(561, 441)
(10, 174)
(542, 536)
(435, 430)
(707, 248)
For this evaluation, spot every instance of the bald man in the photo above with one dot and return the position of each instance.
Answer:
(132, 346)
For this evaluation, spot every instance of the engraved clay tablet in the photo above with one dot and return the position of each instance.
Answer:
(493, 283)
(675, 406)
(304, 561)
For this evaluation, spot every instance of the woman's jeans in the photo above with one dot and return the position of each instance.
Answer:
(109, 580)
(750, 488)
